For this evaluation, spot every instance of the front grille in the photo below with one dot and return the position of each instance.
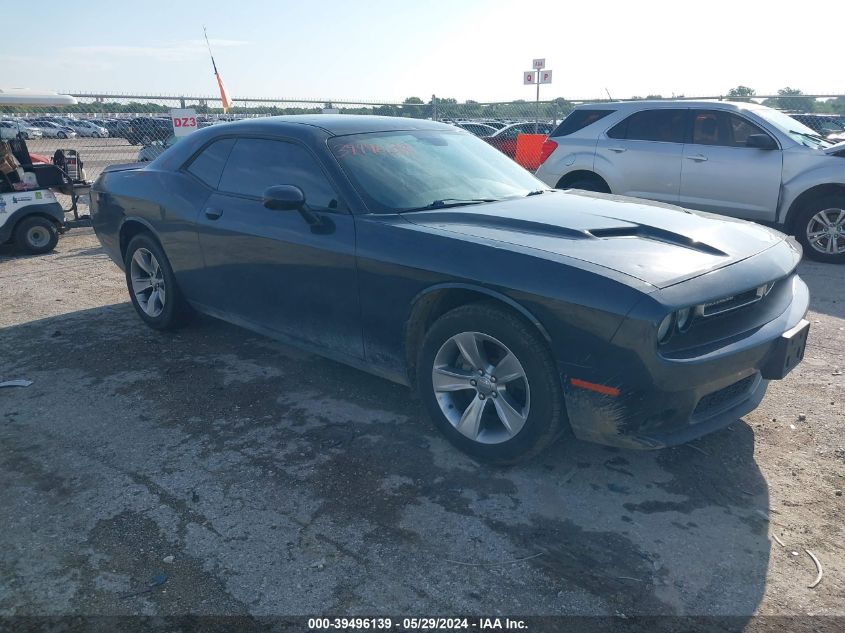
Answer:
(714, 402)
(727, 304)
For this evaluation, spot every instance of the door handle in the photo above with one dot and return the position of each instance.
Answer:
(618, 150)
(212, 213)
(699, 158)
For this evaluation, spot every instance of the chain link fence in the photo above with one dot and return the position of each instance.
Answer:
(106, 129)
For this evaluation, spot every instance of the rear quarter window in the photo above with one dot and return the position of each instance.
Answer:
(578, 120)
(666, 125)
(208, 164)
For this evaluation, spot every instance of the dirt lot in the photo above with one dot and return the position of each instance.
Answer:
(262, 480)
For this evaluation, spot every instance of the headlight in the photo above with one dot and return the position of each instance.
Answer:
(683, 319)
(664, 330)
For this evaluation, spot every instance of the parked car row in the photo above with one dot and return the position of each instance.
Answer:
(35, 129)
(12, 128)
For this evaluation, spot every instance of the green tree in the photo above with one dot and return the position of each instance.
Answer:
(741, 93)
(794, 100)
(413, 107)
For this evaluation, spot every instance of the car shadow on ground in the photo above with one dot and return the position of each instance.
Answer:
(284, 483)
(825, 282)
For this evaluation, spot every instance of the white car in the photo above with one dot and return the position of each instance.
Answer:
(156, 148)
(53, 130)
(10, 129)
(86, 128)
(738, 159)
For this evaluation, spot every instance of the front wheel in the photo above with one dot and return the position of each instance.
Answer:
(62, 135)
(36, 235)
(152, 285)
(490, 385)
(820, 227)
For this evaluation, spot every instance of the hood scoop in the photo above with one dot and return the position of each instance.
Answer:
(445, 219)
(658, 235)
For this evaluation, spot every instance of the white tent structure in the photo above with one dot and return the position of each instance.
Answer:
(16, 96)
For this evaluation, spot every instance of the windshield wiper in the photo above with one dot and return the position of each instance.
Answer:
(812, 137)
(446, 203)
(538, 192)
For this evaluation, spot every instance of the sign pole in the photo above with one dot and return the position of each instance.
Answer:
(537, 76)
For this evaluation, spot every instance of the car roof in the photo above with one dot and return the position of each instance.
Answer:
(639, 104)
(338, 124)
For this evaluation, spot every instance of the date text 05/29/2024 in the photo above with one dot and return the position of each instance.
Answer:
(416, 624)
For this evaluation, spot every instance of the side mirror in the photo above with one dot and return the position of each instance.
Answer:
(290, 198)
(760, 141)
(284, 198)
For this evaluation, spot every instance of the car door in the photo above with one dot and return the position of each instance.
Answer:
(270, 269)
(721, 174)
(641, 155)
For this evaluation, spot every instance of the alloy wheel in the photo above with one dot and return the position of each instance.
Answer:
(481, 387)
(826, 231)
(148, 285)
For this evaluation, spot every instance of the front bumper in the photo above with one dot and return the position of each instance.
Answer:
(662, 402)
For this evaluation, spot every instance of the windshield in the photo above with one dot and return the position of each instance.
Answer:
(400, 171)
(796, 130)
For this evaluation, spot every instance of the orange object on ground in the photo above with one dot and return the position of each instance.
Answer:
(528, 150)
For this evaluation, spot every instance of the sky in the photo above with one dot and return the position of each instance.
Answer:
(374, 50)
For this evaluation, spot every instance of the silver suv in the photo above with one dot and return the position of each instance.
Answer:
(738, 159)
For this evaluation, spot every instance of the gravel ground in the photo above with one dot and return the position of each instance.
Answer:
(261, 480)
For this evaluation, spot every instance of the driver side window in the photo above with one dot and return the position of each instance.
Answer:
(255, 164)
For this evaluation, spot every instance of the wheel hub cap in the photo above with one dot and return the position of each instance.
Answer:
(37, 237)
(481, 387)
(147, 280)
(826, 231)
(484, 385)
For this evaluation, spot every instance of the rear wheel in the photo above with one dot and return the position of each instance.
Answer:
(152, 285)
(589, 184)
(820, 227)
(36, 235)
(489, 383)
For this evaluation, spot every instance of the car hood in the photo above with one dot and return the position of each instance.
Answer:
(838, 149)
(656, 243)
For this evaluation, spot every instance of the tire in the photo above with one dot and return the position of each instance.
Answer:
(821, 242)
(169, 309)
(36, 235)
(535, 399)
(61, 135)
(589, 184)
(95, 135)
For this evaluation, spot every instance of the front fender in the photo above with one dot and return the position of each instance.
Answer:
(493, 294)
(802, 182)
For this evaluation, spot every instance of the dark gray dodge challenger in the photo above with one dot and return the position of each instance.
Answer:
(417, 252)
